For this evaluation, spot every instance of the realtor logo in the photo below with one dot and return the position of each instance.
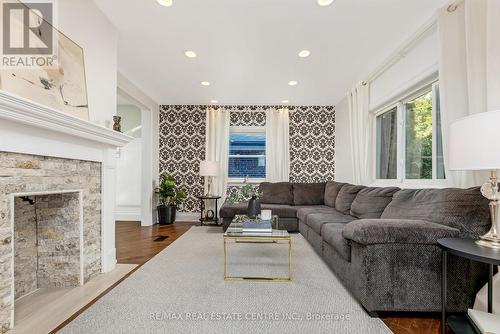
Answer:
(27, 34)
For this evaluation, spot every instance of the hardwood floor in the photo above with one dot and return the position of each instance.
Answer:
(135, 244)
(413, 325)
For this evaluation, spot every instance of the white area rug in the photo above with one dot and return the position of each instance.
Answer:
(182, 290)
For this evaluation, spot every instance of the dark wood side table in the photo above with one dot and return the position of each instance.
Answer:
(204, 219)
(466, 248)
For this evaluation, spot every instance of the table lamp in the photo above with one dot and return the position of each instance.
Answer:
(474, 145)
(209, 169)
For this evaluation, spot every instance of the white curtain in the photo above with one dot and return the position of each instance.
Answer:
(469, 69)
(361, 130)
(277, 145)
(217, 147)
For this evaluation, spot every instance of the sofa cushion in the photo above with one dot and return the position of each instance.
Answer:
(346, 196)
(332, 235)
(277, 193)
(230, 210)
(283, 211)
(304, 211)
(316, 220)
(308, 193)
(401, 231)
(372, 201)
(464, 209)
(332, 189)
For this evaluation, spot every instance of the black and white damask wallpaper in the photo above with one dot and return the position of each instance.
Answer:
(182, 142)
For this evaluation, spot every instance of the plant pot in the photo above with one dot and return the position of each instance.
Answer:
(166, 214)
(253, 208)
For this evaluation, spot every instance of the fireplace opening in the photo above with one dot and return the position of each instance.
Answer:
(47, 242)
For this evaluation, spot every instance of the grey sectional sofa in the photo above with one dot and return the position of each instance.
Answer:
(381, 242)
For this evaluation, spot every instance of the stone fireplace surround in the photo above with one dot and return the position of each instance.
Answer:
(45, 151)
(35, 176)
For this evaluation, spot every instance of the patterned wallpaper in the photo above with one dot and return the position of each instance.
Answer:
(312, 144)
(182, 147)
(182, 142)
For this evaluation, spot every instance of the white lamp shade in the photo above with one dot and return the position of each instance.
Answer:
(209, 168)
(474, 142)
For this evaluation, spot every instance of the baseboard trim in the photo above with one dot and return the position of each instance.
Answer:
(187, 217)
(128, 213)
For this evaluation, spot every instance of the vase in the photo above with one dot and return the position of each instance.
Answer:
(166, 214)
(117, 126)
(253, 208)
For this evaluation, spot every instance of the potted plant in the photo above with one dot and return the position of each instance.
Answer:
(249, 193)
(171, 197)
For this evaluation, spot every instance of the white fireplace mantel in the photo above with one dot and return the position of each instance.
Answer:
(30, 128)
(20, 110)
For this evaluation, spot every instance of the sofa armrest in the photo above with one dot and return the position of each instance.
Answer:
(383, 231)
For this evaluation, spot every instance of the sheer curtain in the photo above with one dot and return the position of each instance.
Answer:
(217, 147)
(469, 69)
(277, 145)
(361, 129)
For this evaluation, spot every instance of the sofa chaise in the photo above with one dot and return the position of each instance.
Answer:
(381, 242)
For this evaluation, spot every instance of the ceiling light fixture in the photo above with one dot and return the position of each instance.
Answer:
(214, 101)
(304, 53)
(205, 83)
(324, 3)
(292, 83)
(285, 101)
(165, 3)
(190, 54)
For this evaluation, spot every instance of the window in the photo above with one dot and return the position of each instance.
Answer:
(409, 140)
(247, 153)
(387, 141)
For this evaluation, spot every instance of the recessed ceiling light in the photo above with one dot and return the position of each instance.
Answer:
(304, 53)
(205, 83)
(190, 54)
(166, 3)
(324, 3)
(214, 101)
(292, 83)
(285, 101)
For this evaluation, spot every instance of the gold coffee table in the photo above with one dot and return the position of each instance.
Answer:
(235, 233)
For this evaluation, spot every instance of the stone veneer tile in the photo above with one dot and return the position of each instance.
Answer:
(28, 173)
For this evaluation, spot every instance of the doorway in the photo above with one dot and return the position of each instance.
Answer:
(129, 161)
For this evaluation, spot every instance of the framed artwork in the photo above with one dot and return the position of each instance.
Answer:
(55, 79)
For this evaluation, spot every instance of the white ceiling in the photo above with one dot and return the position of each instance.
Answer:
(248, 49)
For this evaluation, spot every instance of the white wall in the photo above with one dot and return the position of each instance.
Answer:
(343, 157)
(128, 182)
(85, 24)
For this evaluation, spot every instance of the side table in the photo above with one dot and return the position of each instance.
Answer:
(466, 248)
(204, 219)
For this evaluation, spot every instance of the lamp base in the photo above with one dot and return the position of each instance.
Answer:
(490, 191)
(490, 243)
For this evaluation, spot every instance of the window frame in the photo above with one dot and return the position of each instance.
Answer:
(400, 105)
(246, 130)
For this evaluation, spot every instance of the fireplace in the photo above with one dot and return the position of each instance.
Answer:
(52, 208)
(67, 167)
(48, 247)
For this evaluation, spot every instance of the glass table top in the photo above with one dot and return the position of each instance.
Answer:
(236, 230)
